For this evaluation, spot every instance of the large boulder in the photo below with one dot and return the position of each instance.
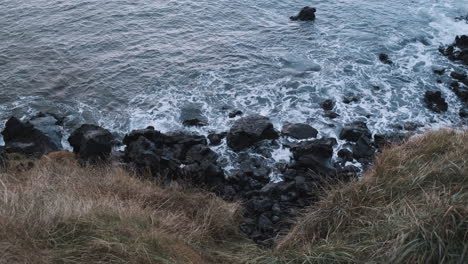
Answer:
(249, 130)
(50, 126)
(315, 155)
(25, 138)
(299, 131)
(306, 14)
(173, 156)
(91, 143)
(435, 102)
(355, 130)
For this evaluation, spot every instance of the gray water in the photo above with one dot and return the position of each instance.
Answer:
(132, 63)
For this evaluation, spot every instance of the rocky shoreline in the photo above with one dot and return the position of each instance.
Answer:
(187, 157)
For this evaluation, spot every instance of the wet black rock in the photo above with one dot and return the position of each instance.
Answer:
(464, 111)
(385, 59)
(50, 126)
(435, 102)
(383, 140)
(458, 51)
(235, 113)
(350, 99)
(306, 14)
(315, 155)
(192, 115)
(327, 105)
(25, 138)
(354, 131)
(3, 157)
(174, 156)
(345, 155)
(215, 139)
(91, 143)
(439, 71)
(331, 114)
(363, 149)
(299, 131)
(458, 76)
(249, 130)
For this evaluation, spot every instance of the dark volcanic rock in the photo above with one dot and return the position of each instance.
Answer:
(458, 51)
(354, 131)
(463, 111)
(315, 154)
(49, 126)
(299, 131)
(345, 155)
(91, 143)
(435, 101)
(350, 99)
(327, 105)
(306, 14)
(235, 113)
(2, 157)
(439, 71)
(25, 138)
(191, 115)
(331, 114)
(385, 59)
(458, 76)
(363, 149)
(215, 138)
(174, 156)
(249, 130)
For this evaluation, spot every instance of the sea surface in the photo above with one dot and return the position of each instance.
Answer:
(128, 64)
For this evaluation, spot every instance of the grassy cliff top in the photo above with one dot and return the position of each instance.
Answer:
(411, 207)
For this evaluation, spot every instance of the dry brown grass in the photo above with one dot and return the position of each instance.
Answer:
(59, 212)
(412, 207)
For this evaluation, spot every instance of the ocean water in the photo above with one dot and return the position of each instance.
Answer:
(127, 64)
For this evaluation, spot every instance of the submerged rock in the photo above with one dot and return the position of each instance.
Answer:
(192, 115)
(385, 59)
(91, 143)
(306, 14)
(435, 102)
(458, 76)
(216, 138)
(327, 105)
(25, 138)
(249, 130)
(235, 113)
(299, 131)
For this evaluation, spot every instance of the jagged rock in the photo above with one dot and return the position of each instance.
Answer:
(306, 14)
(192, 115)
(345, 155)
(299, 131)
(25, 138)
(354, 131)
(2, 157)
(385, 59)
(215, 138)
(315, 154)
(49, 125)
(327, 105)
(458, 76)
(380, 141)
(463, 111)
(235, 113)
(363, 149)
(331, 114)
(249, 130)
(439, 71)
(435, 102)
(458, 51)
(91, 143)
